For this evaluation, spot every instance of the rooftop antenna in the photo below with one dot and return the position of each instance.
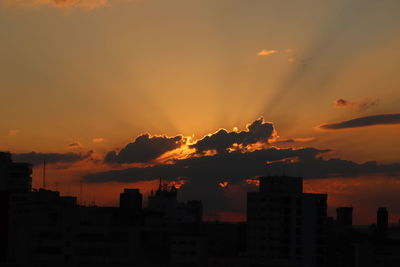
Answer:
(80, 192)
(44, 173)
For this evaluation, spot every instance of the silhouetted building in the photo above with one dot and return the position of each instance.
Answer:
(189, 249)
(344, 216)
(164, 200)
(285, 227)
(47, 229)
(382, 222)
(14, 177)
(131, 199)
(209, 244)
(377, 253)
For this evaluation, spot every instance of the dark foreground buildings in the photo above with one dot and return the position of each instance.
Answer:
(285, 227)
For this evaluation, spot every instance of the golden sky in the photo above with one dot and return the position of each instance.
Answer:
(93, 75)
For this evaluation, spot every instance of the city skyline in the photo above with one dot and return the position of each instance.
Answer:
(284, 226)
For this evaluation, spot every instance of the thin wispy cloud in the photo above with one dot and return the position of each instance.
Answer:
(381, 119)
(266, 52)
(98, 140)
(294, 140)
(74, 145)
(37, 158)
(360, 105)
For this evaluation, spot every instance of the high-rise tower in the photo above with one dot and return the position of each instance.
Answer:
(286, 227)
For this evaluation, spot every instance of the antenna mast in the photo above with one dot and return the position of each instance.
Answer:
(80, 192)
(44, 174)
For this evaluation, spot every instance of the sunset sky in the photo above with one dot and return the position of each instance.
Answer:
(119, 93)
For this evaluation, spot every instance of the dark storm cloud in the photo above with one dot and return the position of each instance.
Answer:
(257, 131)
(37, 158)
(144, 149)
(237, 166)
(234, 166)
(382, 119)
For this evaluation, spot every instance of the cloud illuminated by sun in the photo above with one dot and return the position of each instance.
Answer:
(177, 183)
(266, 52)
(182, 152)
(98, 140)
(12, 132)
(223, 184)
(255, 182)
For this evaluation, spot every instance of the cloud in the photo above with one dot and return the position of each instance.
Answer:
(82, 4)
(236, 167)
(361, 105)
(220, 141)
(12, 132)
(266, 52)
(381, 119)
(147, 148)
(144, 149)
(294, 140)
(317, 167)
(227, 174)
(37, 158)
(98, 140)
(74, 145)
(227, 166)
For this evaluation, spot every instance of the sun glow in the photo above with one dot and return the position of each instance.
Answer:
(223, 184)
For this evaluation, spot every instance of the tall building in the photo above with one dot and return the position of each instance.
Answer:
(131, 199)
(382, 221)
(344, 216)
(286, 227)
(14, 177)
